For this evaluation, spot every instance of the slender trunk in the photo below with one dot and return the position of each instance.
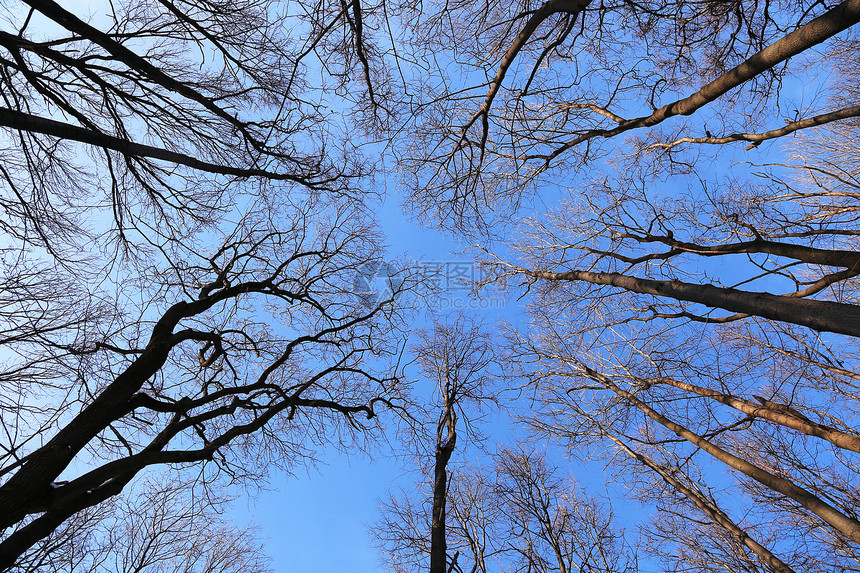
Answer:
(839, 521)
(710, 509)
(438, 543)
(446, 440)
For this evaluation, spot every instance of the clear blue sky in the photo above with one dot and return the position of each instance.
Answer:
(318, 519)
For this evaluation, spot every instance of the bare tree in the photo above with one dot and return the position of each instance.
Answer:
(159, 113)
(519, 516)
(765, 399)
(520, 95)
(202, 373)
(182, 226)
(553, 524)
(684, 306)
(152, 527)
(456, 357)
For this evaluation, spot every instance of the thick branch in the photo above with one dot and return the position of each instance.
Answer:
(776, 413)
(818, 30)
(816, 314)
(35, 124)
(827, 257)
(839, 521)
(22, 491)
(74, 24)
(549, 8)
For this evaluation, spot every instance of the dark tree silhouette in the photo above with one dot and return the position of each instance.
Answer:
(182, 223)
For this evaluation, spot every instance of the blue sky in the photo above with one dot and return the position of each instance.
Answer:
(318, 518)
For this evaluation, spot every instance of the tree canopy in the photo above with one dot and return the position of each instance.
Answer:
(670, 190)
(666, 189)
(183, 218)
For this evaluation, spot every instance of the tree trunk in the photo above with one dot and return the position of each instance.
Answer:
(438, 543)
(820, 315)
